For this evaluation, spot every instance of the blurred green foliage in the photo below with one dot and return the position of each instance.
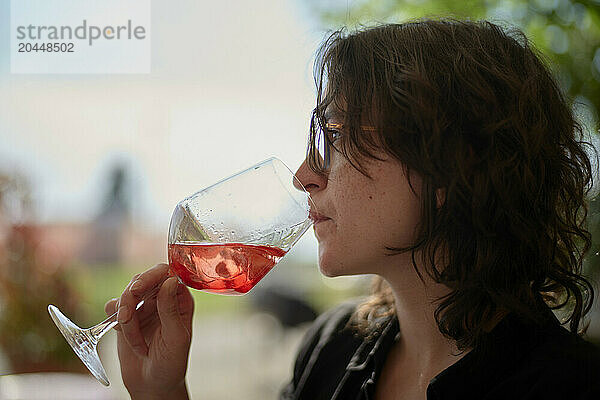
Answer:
(566, 32)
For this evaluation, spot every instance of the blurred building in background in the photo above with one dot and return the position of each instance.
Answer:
(107, 231)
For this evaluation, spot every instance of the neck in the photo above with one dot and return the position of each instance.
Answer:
(415, 310)
(422, 345)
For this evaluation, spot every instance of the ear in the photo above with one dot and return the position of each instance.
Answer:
(440, 197)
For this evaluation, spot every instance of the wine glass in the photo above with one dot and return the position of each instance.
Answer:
(223, 239)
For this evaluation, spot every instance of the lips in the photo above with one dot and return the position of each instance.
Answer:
(315, 217)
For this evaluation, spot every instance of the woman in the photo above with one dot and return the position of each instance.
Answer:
(453, 169)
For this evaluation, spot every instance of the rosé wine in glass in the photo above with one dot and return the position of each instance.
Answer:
(232, 268)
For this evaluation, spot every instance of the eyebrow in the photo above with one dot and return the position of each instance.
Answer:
(333, 114)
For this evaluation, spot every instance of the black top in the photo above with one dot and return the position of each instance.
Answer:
(520, 361)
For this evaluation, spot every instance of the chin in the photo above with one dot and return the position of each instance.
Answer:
(329, 273)
(329, 269)
(332, 265)
(332, 270)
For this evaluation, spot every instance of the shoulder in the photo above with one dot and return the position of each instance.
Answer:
(558, 365)
(568, 363)
(324, 352)
(332, 322)
(329, 328)
(522, 360)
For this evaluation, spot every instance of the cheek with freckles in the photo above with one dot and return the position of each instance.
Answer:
(370, 215)
(348, 244)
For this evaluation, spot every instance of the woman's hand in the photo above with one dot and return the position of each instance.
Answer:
(154, 342)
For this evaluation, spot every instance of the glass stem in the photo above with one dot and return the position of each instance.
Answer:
(99, 330)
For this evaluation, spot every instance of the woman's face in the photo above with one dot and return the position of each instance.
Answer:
(359, 217)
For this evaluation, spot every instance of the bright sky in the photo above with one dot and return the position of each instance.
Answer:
(231, 85)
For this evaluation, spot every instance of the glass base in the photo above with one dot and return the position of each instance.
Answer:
(81, 342)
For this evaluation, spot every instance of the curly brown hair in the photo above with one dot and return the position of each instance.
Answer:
(474, 110)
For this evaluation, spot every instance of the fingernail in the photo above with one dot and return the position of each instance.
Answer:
(123, 315)
(136, 286)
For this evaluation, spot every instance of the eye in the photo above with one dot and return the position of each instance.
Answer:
(333, 132)
(333, 135)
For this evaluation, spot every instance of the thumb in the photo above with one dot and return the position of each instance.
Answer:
(173, 328)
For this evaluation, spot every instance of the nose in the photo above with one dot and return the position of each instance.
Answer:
(311, 181)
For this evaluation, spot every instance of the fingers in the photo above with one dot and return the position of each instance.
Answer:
(149, 280)
(129, 322)
(186, 305)
(174, 327)
(174, 306)
(110, 308)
